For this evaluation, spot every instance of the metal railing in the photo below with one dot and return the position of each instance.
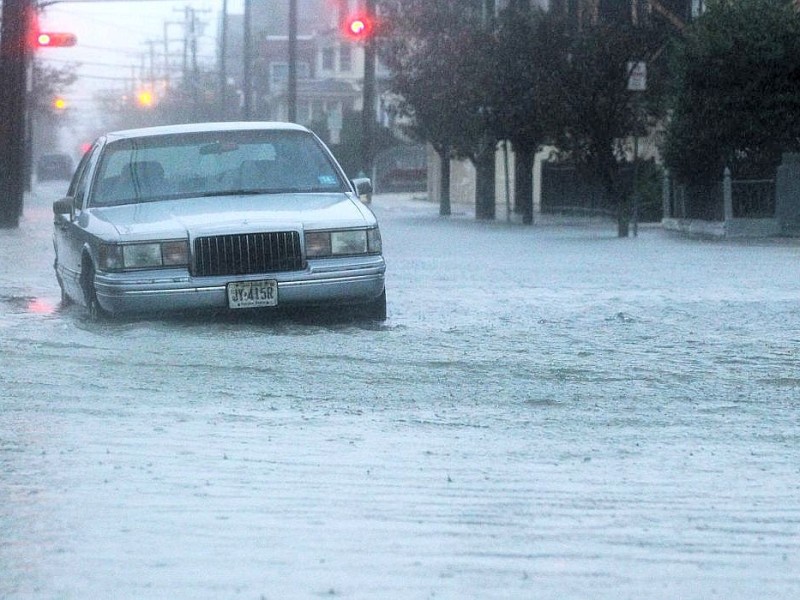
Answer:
(721, 201)
(753, 198)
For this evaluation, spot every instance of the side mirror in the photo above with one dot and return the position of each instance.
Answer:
(363, 186)
(63, 207)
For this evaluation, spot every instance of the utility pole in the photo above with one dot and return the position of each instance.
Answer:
(223, 63)
(190, 53)
(195, 71)
(291, 93)
(167, 65)
(151, 72)
(247, 72)
(368, 110)
(191, 72)
(14, 57)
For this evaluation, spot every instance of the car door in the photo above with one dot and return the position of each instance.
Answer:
(70, 235)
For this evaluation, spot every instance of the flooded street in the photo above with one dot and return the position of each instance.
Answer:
(548, 412)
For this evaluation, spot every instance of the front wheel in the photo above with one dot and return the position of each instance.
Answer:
(96, 312)
(375, 310)
(65, 299)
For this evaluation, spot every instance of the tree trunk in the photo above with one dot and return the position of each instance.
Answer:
(618, 192)
(444, 182)
(623, 225)
(484, 185)
(624, 209)
(523, 183)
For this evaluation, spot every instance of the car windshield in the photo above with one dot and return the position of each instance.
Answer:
(212, 164)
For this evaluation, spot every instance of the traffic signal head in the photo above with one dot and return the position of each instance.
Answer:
(358, 28)
(47, 39)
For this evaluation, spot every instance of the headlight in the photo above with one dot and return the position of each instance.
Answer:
(141, 255)
(144, 256)
(347, 242)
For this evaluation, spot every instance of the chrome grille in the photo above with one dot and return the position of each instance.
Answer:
(247, 253)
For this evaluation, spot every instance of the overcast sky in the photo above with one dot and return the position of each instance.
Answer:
(113, 48)
(113, 37)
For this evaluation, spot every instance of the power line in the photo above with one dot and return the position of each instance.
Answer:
(112, 65)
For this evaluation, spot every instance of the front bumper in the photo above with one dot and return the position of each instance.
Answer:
(328, 282)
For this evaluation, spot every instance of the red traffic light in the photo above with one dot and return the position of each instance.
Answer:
(47, 39)
(358, 28)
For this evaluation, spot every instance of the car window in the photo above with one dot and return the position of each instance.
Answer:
(80, 183)
(73, 185)
(213, 164)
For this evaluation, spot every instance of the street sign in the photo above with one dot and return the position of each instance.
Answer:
(637, 76)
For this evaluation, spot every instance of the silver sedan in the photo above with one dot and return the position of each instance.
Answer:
(217, 216)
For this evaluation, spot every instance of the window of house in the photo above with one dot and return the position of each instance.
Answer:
(345, 58)
(328, 59)
(279, 72)
(303, 111)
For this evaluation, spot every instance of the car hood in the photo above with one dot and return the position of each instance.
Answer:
(218, 215)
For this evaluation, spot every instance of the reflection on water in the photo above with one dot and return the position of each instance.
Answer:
(40, 306)
(14, 307)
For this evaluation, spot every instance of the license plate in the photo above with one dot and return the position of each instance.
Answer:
(253, 294)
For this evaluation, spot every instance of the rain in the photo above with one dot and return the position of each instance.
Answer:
(570, 397)
(548, 412)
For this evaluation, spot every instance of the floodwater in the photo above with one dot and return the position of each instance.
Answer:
(549, 412)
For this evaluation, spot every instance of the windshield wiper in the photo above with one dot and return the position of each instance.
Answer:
(250, 192)
(242, 192)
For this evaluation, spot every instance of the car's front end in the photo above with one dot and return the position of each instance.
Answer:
(331, 258)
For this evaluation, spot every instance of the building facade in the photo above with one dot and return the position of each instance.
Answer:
(330, 67)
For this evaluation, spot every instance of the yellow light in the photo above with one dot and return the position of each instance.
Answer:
(145, 98)
(59, 103)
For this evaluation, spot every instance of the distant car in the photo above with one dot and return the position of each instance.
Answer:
(51, 167)
(217, 216)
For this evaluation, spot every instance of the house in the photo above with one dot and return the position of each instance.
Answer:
(329, 66)
(330, 82)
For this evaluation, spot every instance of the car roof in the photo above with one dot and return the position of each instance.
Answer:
(205, 128)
